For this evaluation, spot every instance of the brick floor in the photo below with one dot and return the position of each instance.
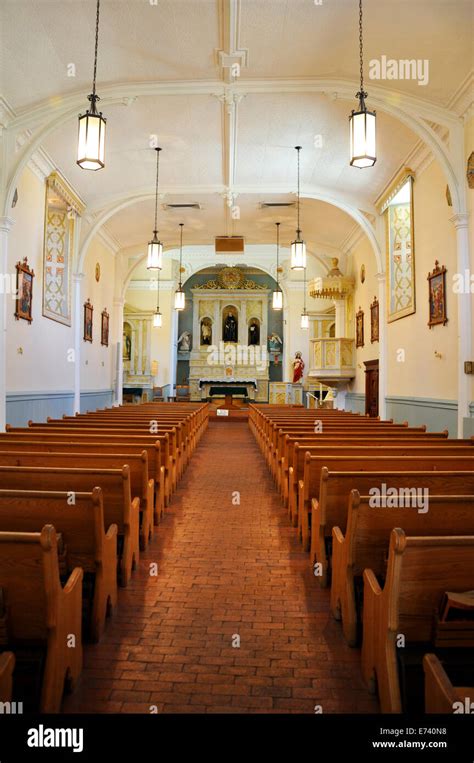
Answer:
(234, 621)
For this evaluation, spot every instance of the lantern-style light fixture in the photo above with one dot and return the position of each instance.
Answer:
(155, 247)
(362, 122)
(277, 300)
(157, 316)
(91, 140)
(179, 295)
(304, 314)
(298, 246)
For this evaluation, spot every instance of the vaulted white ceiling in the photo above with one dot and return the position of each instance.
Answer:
(246, 145)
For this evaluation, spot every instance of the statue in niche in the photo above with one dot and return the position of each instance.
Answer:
(298, 368)
(184, 342)
(127, 342)
(206, 332)
(230, 328)
(254, 332)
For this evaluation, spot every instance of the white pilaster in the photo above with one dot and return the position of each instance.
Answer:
(174, 347)
(383, 350)
(464, 338)
(118, 342)
(140, 349)
(6, 224)
(78, 338)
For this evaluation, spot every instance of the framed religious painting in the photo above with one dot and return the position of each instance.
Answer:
(104, 332)
(360, 328)
(437, 296)
(24, 291)
(374, 321)
(88, 312)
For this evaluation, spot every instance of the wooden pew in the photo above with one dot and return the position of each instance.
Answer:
(88, 544)
(440, 695)
(366, 540)
(119, 508)
(364, 458)
(295, 449)
(140, 485)
(40, 610)
(7, 664)
(419, 571)
(102, 442)
(330, 509)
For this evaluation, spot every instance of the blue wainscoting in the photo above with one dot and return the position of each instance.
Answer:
(37, 406)
(436, 414)
(469, 422)
(93, 399)
(355, 402)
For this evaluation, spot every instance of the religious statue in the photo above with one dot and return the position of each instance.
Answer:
(230, 328)
(298, 368)
(184, 342)
(206, 333)
(275, 343)
(254, 333)
(127, 347)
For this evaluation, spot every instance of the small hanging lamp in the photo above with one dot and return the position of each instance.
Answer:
(277, 300)
(179, 295)
(304, 314)
(155, 247)
(298, 246)
(157, 316)
(362, 123)
(91, 140)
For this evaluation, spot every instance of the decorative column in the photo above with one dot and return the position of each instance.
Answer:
(340, 305)
(381, 278)
(77, 279)
(464, 339)
(118, 370)
(6, 224)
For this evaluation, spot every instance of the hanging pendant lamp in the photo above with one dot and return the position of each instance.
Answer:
(298, 246)
(91, 140)
(157, 316)
(304, 314)
(179, 295)
(362, 123)
(277, 300)
(155, 247)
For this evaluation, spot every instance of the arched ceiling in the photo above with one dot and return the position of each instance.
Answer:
(245, 146)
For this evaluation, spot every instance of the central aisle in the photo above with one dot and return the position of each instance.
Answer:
(226, 572)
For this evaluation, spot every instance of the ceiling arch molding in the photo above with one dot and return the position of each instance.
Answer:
(413, 112)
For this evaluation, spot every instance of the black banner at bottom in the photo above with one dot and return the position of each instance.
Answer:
(106, 737)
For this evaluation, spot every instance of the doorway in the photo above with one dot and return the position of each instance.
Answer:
(372, 387)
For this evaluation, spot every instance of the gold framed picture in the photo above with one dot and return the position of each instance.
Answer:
(437, 295)
(24, 291)
(360, 328)
(104, 332)
(374, 321)
(88, 313)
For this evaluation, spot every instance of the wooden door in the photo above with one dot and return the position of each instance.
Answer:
(372, 387)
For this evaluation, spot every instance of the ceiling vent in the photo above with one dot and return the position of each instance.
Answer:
(276, 204)
(193, 205)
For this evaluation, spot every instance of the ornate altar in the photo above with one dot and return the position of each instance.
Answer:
(230, 324)
(136, 351)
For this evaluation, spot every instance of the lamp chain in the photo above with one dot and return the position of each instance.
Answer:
(298, 148)
(180, 253)
(278, 249)
(96, 49)
(156, 188)
(361, 49)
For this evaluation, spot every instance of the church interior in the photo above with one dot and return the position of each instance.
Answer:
(236, 357)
